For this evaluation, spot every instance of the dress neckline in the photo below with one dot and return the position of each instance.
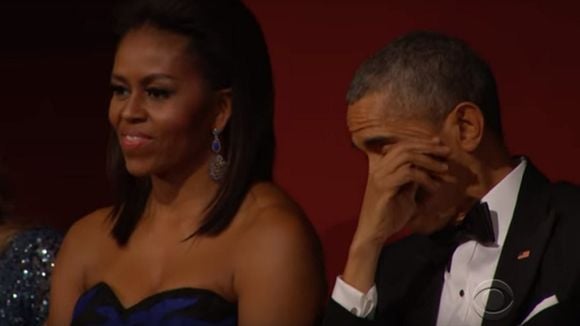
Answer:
(170, 293)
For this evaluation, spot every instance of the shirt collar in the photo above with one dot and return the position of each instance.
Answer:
(501, 200)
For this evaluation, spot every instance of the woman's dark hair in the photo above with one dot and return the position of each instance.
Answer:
(2, 200)
(228, 46)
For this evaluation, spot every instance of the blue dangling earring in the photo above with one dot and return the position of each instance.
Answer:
(218, 165)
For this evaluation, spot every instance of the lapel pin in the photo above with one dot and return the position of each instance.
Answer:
(524, 254)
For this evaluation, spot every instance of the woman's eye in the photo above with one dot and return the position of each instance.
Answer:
(119, 91)
(158, 93)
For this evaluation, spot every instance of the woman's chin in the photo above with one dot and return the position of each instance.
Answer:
(138, 170)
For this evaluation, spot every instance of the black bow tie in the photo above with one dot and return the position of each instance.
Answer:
(477, 225)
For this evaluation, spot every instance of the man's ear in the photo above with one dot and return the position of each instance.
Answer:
(466, 124)
(223, 108)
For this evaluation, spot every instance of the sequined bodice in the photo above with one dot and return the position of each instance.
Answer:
(184, 306)
(25, 267)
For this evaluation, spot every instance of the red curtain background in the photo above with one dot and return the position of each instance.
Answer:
(55, 59)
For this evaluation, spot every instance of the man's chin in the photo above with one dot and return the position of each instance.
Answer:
(428, 225)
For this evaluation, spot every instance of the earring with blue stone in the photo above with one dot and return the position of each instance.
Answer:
(218, 165)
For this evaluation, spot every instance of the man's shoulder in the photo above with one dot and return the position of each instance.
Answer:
(565, 202)
(565, 194)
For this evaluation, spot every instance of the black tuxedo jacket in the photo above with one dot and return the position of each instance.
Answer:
(546, 224)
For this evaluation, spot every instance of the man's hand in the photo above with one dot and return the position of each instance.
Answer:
(394, 181)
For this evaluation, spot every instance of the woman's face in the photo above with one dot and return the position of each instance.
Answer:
(160, 108)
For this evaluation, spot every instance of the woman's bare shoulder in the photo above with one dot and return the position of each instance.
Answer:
(93, 227)
(278, 252)
(274, 219)
(266, 197)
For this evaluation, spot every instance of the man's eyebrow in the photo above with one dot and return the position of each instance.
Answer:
(373, 142)
(378, 141)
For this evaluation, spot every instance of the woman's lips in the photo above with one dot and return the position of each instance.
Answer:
(132, 141)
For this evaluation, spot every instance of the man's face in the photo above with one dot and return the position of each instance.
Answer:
(376, 128)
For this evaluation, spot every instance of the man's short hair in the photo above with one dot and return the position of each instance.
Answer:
(425, 75)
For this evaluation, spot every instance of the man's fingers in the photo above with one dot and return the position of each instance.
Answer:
(388, 165)
(430, 147)
(428, 163)
(444, 177)
(425, 181)
(409, 174)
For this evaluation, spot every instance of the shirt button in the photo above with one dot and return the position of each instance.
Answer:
(354, 311)
(461, 293)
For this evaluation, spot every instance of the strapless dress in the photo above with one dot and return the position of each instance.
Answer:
(183, 306)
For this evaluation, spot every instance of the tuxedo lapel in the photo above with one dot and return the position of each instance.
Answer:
(530, 229)
(424, 297)
(427, 306)
(410, 294)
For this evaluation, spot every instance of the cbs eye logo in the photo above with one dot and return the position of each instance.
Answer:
(492, 299)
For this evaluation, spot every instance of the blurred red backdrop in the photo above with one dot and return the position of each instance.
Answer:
(55, 59)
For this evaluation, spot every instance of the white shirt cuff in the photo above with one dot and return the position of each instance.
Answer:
(358, 303)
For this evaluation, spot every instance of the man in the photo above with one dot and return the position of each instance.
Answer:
(493, 243)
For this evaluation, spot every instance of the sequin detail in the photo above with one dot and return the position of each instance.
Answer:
(25, 268)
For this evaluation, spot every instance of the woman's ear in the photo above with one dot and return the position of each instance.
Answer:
(223, 108)
(466, 124)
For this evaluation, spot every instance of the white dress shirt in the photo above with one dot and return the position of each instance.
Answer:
(472, 266)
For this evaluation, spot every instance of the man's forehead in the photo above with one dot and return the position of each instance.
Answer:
(370, 102)
(374, 116)
(374, 108)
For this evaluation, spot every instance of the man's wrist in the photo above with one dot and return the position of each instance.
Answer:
(361, 265)
(364, 248)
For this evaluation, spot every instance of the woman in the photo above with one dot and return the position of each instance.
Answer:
(26, 261)
(199, 234)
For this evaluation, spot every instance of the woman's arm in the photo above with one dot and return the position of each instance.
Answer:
(28, 260)
(280, 276)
